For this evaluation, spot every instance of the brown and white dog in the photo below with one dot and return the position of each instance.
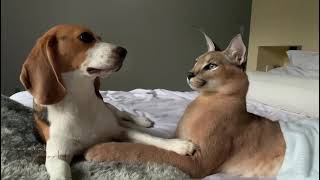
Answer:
(230, 139)
(62, 73)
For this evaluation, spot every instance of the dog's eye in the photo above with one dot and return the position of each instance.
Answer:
(86, 37)
(210, 66)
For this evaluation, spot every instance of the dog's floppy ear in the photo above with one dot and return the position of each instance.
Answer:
(97, 87)
(40, 73)
(236, 50)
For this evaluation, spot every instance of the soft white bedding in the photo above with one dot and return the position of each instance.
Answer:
(165, 108)
(304, 59)
(288, 93)
(303, 64)
(296, 71)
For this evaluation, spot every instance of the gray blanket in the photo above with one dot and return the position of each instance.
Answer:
(22, 156)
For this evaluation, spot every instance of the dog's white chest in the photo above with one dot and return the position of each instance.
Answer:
(85, 123)
(81, 116)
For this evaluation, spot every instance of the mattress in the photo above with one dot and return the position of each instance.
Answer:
(166, 107)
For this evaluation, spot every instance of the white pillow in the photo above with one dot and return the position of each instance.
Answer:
(304, 59)
(288, 93)
(296, 71)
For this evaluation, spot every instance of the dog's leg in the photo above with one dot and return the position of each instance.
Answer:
(180, 146)
(59, 155)
(125, 116)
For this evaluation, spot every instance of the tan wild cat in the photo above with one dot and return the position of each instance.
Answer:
(230, 139)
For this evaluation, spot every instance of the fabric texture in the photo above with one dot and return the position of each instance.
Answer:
(22, 157)
(297, 71)
(302, 150)
(304, 59)
(288, 93)
(165, 108)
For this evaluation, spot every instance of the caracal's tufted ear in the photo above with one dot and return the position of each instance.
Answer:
(236, 50)
(210, 44)
(40, 73)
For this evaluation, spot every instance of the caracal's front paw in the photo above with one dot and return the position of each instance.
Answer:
(95, 153)
(182, 147)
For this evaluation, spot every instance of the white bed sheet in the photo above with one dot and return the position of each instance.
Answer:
(165, 108)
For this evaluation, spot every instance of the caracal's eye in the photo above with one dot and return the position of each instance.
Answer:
(210, 66)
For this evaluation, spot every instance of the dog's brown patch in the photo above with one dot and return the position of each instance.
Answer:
(40, 116)
(58, 50)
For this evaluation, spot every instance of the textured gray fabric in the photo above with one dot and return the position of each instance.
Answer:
(22, 155)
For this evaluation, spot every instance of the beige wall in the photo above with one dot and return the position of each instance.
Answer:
(283, 23)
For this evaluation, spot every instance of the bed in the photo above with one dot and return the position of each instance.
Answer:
(271, 95)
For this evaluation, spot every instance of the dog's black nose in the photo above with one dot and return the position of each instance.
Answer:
(122, 52)
(190, 75)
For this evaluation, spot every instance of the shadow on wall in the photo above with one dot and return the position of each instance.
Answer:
(161, 42)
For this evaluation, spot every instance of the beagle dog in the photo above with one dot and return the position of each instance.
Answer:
(62, 73)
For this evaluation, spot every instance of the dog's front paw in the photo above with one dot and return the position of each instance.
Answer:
(140, 121)
(60, 178)
(58, 169)
(144, 122)
(182, 147)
